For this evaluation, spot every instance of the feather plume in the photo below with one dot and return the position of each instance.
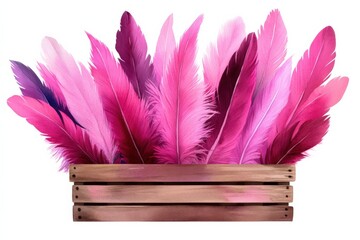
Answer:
(233, 101)
(289, 147)
(271, 49)
(31, 86)
(218, 56)
(126, 113)
(180, 104)
(70, 141)
(81, 95)
(164, 49)
(263, 113)
(132, 48)
(311, 71)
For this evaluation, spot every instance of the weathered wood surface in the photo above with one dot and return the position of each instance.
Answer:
(181, 173)
(182, 194)
(182, 213)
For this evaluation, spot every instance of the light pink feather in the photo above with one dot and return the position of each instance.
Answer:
(311, 71)
(262, 116)
(219, 54)
(81, 95)
(165, 48)
(125, 111)
(271, 49)
(180, 106)
(70, 142)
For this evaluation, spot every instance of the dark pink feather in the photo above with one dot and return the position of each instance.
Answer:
(233, 102)
(290, 145)
(125, 112)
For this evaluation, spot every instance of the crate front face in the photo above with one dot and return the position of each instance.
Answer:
(182, 192)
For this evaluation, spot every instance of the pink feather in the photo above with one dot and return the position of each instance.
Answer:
(302, 123)
(180, 104)
(271, 49)
(333, 91)
(320, 101)
(311, 71)
(70, 142)
(126, 113)
(263, 113)
(165, 48)
(218, 56)
(233, 102)
(81, 95)
(51, 82)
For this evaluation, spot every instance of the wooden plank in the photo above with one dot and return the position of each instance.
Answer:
(181, 173)
(182, 194)
(182, 213)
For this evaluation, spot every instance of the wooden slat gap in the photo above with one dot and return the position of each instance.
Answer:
(183, 204)
(181, 183)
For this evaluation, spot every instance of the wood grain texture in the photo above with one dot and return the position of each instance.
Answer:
(182, 194)
(183, 213)
(181, 173)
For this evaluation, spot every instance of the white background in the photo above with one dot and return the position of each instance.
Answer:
(35, 199)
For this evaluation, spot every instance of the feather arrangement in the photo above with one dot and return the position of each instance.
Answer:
(248, 106)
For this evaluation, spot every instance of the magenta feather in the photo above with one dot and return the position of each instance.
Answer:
(126, 113)
(180, 104)
(233, 102)
(165, 48)
(219, 54)
(311, 71)
(271, 50)
(132, 48)
(81, 95)
(262, 116)
(290, 145)
(70, 141)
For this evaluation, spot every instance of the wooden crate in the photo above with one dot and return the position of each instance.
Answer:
(131, 192)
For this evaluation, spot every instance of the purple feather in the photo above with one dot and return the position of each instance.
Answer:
(132, 48)
(31, 86)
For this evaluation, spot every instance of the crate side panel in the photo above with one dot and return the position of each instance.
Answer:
(183, 213)
(182, 193)
(181, 173)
